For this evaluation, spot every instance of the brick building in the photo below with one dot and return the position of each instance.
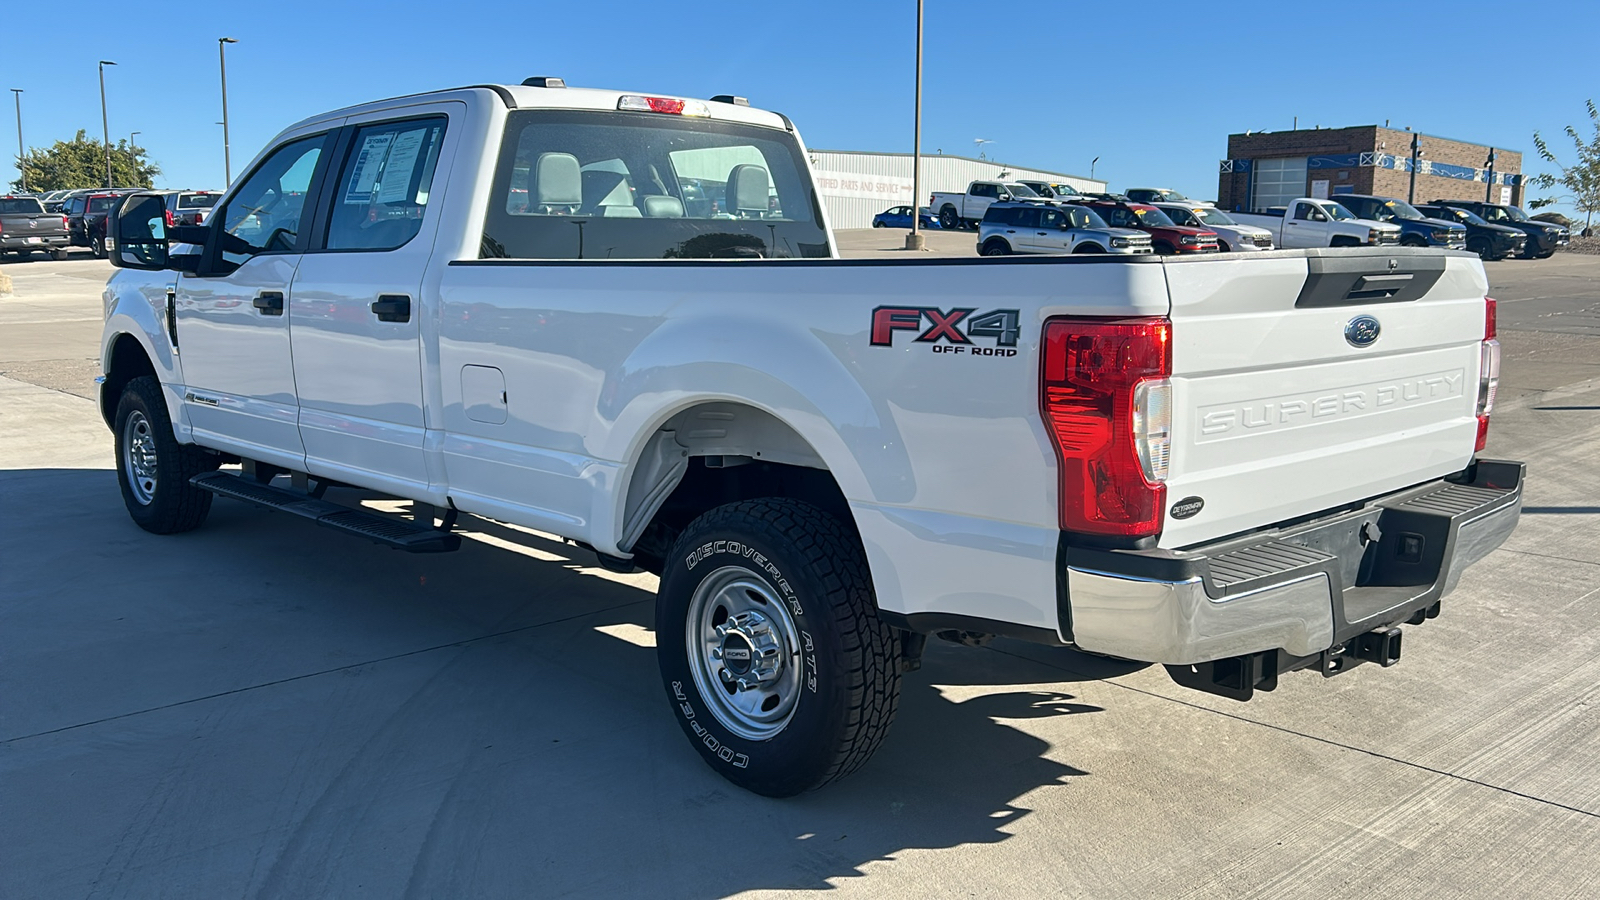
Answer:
(1269, 168)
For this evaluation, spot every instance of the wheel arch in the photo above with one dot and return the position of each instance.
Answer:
(125, 359)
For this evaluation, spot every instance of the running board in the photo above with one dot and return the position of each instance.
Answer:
(377, 527)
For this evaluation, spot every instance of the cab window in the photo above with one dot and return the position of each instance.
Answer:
(1051, 218)
(264, 214)
(382, 191)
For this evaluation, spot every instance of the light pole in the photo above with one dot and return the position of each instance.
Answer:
(131, 136)
(1416, 154)
(1488, 189)
(914, 240)
(1091, 167)
(105, 127)
(22, 166)
(222, 61)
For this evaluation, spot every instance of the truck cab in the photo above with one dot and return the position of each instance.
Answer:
(1416, 228)
(967, 210)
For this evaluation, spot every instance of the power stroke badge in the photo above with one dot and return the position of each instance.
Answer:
(949, 332)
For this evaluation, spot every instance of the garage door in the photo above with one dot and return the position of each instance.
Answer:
(1277, 181)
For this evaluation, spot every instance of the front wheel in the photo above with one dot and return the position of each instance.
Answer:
(1412, 241)
(1222, 246)
(1088, 248)
(772, 654)
(153, 469)
(1482, 248)
(1163, 248)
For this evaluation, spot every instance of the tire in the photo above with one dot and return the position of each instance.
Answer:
(877, 223)
(1163, 248)
(948, 218)
(153, 469)
(795, 581)
(97, 246)
(1546, 255)
(1482, 248)
(1088, 248)
(1344, 241)
(1222, 246)
(1412, 241)
(995, 247)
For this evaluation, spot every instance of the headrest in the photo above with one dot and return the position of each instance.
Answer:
(556, 180)
(659, 206)
(747, 189)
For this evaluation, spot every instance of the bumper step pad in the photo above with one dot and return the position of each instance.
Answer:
(376, 527)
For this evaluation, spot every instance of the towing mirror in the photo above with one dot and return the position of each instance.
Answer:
(141, 235)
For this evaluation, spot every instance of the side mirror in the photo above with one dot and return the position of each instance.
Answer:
(1004, 196)
(140, 230)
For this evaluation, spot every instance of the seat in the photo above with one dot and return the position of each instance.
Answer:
(606, 194)
(746, 193)
(557, 185)
(657, 206)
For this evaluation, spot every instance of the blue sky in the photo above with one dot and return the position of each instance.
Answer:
(1151, 88)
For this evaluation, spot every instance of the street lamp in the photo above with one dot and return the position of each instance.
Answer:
(914, 240)
(131, 136)
(222, 61)
(21, 165)
(1091, 167)
(1488, 189)
(105, 127)
(1416, 154)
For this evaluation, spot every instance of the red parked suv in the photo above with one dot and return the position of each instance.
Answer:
(1166, 236)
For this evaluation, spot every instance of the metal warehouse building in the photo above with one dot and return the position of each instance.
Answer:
(857, 185)
(1270, 168)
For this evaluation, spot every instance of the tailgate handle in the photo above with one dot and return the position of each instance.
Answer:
(392, 308)
(1378, 287)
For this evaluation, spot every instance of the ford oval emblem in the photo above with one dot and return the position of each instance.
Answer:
(1362, 331)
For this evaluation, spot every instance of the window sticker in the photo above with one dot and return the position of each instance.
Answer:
(400, 166)
(368, 164)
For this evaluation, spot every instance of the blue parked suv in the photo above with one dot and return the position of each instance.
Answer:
(1416, 229)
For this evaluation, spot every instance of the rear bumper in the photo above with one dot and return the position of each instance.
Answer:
(34, 241)
(1297, 592)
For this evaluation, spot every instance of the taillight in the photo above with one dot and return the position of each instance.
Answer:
(1105, 398)
(171, 220)
(672, 106)
(1488, 371)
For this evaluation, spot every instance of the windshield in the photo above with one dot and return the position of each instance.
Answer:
(1181, 216)
(1154, 218)
(1463, 215)
(1339, 212)
(610, 185)
(1517, 215)
(1084, 217)
(1021, 190)
(1214, 216)
(20, 206)
(1403, 210)
(1174, 196)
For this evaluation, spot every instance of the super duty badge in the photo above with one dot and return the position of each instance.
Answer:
(956, 328)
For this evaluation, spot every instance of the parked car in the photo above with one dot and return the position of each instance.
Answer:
(1051, 190)
(1215, 465)
(900, 217)
(55, 201)
(1492, 242)
(966, 210)
(26, 228)
(1155, 195)
(192, 207)
(1035, 228)
(1544, 238)
(1416, 228)
(1309, 222)
(1231, 235)
(1166, 236)
(87, 215)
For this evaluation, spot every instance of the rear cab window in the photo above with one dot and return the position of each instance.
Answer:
(20, 206)
(574, 184)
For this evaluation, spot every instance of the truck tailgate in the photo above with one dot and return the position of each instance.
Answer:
(1278, 415)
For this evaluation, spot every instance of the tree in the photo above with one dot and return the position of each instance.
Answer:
(1582, 178)
(81, 163)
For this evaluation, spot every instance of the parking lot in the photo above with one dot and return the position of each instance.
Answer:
(262, 708)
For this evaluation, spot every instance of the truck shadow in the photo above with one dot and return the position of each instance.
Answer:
(475, 724)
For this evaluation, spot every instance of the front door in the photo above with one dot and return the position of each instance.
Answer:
(1052, 235)
(1307, 225)
(358, 305)
(233, 330)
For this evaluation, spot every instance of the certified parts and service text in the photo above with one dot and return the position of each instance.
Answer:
(621, 319)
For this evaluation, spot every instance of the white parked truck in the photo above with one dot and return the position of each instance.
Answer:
(621, 319)
(966, 210)
(1308, 222)
(1232, 236)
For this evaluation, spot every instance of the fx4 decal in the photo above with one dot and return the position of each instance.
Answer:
(956, 328)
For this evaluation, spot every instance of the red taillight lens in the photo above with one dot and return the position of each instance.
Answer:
(1488, 371)
(1092, 370)
(672, 106)
(170, 219)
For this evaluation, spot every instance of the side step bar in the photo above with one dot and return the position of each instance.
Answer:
(377, 527)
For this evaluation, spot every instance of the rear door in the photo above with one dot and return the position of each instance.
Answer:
(356, 313)
(1052, 235)
(1282, 408)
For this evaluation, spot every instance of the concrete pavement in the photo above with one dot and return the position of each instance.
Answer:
(264, 709)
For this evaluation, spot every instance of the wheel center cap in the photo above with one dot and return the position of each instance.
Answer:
(750, 653)
(737, 656)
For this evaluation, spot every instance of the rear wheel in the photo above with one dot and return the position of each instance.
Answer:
(772, 654)
(153, 469)
(877, 223)
(948, 217)
(97, 246)
(995, 247)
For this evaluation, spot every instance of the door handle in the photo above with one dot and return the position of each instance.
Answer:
(269, 302)
(392, 308)
(1010, 231)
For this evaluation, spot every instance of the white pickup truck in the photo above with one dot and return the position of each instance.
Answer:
(966, 210)
(621, 319)
(1309, 222)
